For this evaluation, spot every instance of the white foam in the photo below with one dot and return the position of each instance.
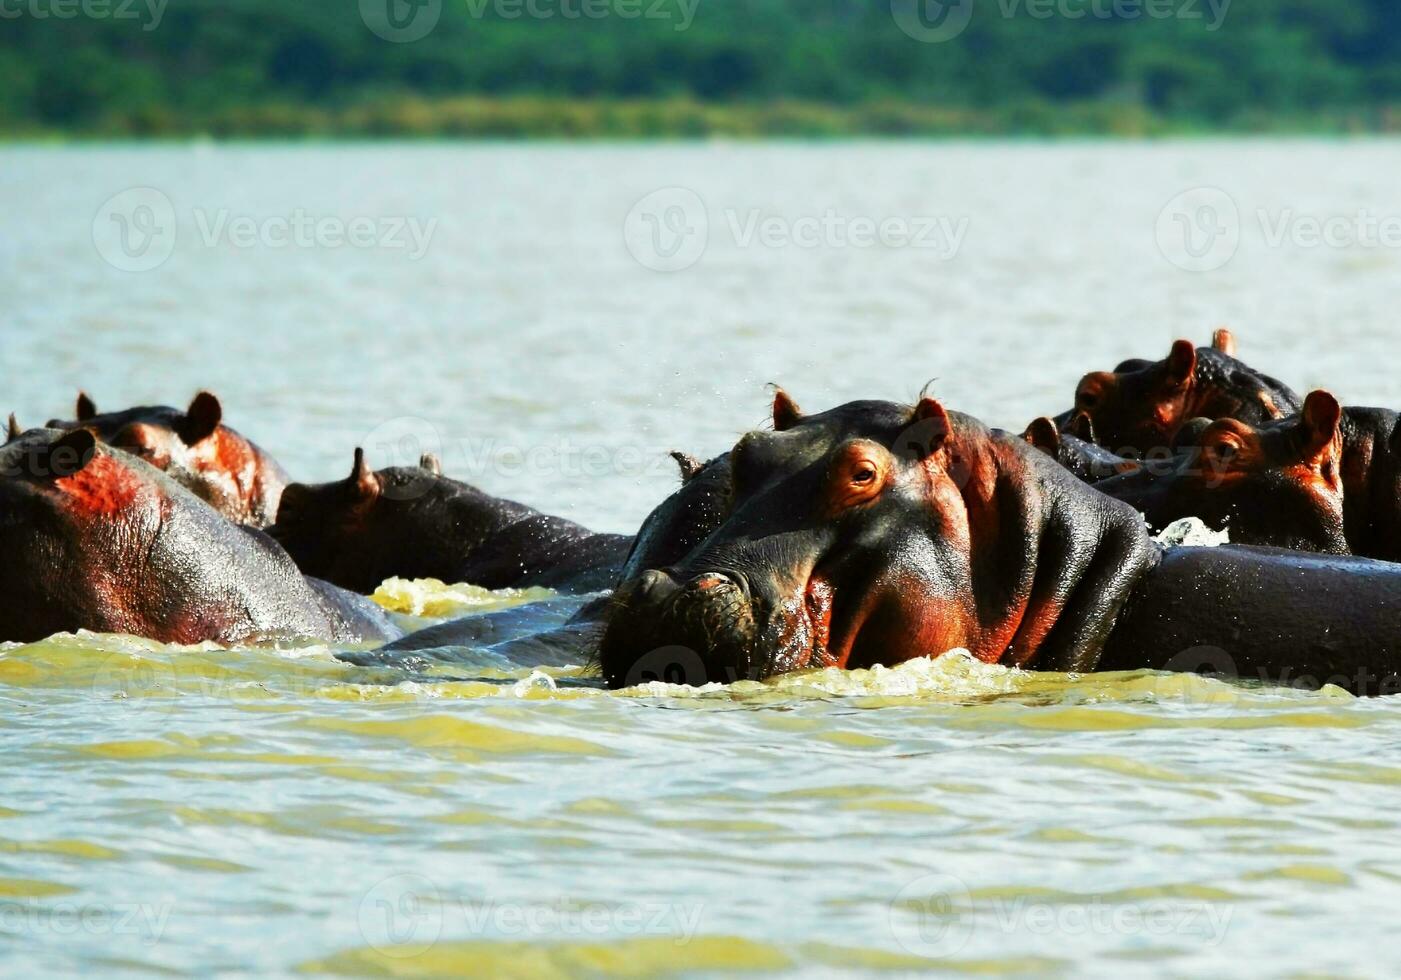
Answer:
(1191, 532)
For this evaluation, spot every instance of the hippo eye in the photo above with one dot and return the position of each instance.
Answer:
(864, 475)
(1088, 399)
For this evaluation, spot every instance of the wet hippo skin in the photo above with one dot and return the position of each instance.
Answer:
(1264, 614)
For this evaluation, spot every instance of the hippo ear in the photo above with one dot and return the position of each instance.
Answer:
(786, 412)
(14, 430)
(929, 429)
(201, 419)
(689, 465)
(65, 456)
(1319, 420)
(85, 409)
(1224, 341)
(1181, 362)
(1083, 427)
(431, 463)
(1042, 434)
(362, 478)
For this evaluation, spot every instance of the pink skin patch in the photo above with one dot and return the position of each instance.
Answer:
(102, 488)
(228, 463)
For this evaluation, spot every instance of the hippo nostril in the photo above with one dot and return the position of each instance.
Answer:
(655, 586)
(707, 581)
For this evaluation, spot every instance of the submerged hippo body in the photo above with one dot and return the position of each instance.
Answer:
(96, 539)
(1140, 406)
(1327, 479)
(875, 533)
(197, 450)
(413, 522)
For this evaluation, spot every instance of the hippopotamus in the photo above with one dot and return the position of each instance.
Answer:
(413, 522)
(874, 533)
(1082, 457)
(670, 531)
(97, 539)
(225, 469)
(1327, 479)
(1140, 405)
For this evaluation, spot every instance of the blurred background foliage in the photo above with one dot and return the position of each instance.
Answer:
(742, 67)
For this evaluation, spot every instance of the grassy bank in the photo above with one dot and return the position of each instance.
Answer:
(472, 117)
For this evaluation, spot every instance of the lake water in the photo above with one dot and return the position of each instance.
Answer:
(551, 320)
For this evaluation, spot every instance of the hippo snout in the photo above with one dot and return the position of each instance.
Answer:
(692, 632)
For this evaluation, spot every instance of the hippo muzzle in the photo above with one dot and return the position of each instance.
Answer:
(712, 626)
(693, 632)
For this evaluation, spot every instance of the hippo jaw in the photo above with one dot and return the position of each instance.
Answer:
(712, 628)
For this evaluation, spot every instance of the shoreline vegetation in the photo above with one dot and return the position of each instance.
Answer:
(556, 118)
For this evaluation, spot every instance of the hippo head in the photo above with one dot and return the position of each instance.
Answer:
(1078, 454)
(871, 533)
(1139, 406)
(1278, 483)
(349, 531)
(64, 500)
(196, 449)
(163, 436)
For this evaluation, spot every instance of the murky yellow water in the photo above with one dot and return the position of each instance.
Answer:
(194, 809)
